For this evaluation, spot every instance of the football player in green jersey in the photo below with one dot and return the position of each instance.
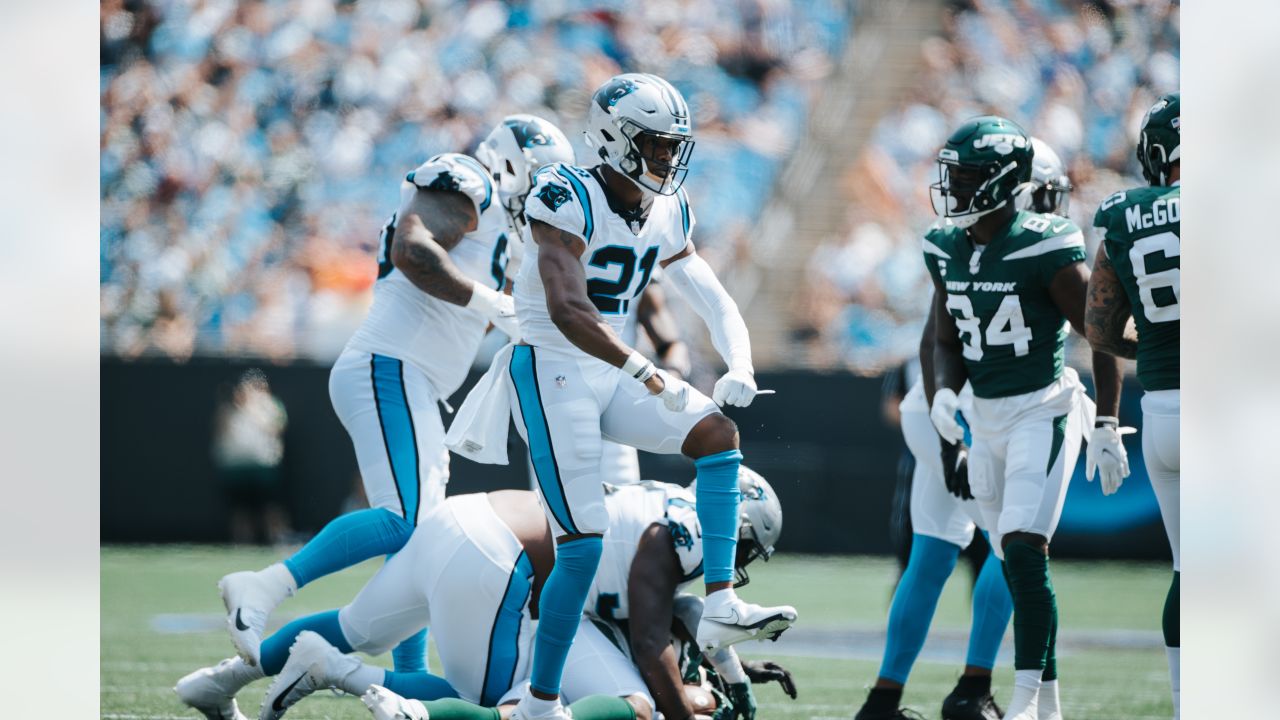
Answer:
(1136, 274)
(1007, 283)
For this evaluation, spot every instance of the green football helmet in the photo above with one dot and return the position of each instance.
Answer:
(1158, 145)
(981, 168)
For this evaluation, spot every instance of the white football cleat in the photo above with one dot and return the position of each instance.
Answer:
(207, 691)
(386, 705)
(249, 598)
(313, 665)
(730, 621)
(523, 710)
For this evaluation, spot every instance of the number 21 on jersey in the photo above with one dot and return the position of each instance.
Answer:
(1007, 326)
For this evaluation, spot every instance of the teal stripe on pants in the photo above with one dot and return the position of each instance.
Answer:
(524, 374)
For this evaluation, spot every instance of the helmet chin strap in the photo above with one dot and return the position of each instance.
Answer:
(967, 221)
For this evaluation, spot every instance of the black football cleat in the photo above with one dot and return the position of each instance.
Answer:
(970, 707)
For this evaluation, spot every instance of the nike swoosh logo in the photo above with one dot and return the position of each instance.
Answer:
(276, 702)
(1060, 228)
(239, 623)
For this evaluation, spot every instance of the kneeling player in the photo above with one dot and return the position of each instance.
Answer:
(1007, 282)
(472, 570)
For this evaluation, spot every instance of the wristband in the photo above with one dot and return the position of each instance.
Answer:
(638, 367)
(482, 299)
(1106, 421)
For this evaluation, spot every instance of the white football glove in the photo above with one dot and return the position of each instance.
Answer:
(387, 705)
(499, 308)
(1106, 453)
(943, 414)
(675, 392)
(736, 387)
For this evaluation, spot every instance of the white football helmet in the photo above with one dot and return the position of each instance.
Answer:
(759, 522)
(516, 148)
(639, 125)
(1050, 189)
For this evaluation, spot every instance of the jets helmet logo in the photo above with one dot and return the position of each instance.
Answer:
(1002, 143)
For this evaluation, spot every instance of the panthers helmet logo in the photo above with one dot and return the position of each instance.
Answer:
(444, 181)
(609, 95)
(553, 196)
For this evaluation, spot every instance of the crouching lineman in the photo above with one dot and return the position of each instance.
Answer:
(1006, 282)
(441, 274)
(1137, 274)
(943, 518)
(596, 235)
(474, 569)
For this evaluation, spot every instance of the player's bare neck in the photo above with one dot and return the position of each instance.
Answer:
(624, 196)
(988, 227)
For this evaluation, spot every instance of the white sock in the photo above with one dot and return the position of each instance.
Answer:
(280, 579)
(234, 674)
(1026, 688)
(359, 681)
(719, 600)
(1047, 701)
(1175, 661)
(539, 707)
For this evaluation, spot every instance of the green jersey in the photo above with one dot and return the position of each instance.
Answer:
(1140, 231)
(1013, 333)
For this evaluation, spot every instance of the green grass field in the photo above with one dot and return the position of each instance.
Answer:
(161, 619)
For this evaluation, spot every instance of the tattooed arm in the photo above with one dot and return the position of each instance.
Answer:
(1106, 317)
(431, 225)
(565, 283)
(1108, 311)
(1069, 290)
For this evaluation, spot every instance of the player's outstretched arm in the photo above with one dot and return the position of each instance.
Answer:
(651, 589)
(698, 284)
(427, 229)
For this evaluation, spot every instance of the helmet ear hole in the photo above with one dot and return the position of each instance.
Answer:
(606, 135)
(511, 169)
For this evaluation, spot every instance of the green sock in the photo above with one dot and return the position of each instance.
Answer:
(1027, 569)
(600, 707)
(1051, 659)
(453, 709)
(1172, 633)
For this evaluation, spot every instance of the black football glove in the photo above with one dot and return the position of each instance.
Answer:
(955, 469)
(740, 703)
(763, 671)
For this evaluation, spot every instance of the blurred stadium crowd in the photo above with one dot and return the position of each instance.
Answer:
(250, 151)
(1079, 75)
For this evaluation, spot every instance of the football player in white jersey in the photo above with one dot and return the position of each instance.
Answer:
(595, 236)
(944, 516)
(441, 275)
(474, 568)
